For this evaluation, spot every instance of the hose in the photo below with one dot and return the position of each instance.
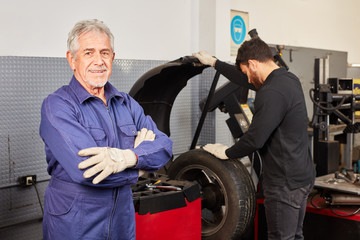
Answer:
(326, 108)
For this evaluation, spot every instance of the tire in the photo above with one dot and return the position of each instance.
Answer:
(227, 193)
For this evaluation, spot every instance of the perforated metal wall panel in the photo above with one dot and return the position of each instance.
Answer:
(25, 82)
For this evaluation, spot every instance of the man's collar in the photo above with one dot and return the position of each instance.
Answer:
(82, 95)
(274, 73)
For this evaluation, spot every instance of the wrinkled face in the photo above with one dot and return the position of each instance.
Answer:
(252, 74)
(92, 65)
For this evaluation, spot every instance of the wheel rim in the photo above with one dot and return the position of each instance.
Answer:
(214, 200)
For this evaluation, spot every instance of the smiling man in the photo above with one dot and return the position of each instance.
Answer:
(97, 140)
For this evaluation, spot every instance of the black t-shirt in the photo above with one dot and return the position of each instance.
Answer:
(278, 129)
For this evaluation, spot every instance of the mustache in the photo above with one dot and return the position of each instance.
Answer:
(98, 68)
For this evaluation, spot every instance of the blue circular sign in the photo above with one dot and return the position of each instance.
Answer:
(238, 29)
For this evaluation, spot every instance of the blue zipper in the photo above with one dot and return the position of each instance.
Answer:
(112, 121)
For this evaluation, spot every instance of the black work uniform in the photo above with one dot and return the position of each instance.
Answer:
(279, 131)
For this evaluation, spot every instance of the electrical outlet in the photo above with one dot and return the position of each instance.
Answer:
(27, 180)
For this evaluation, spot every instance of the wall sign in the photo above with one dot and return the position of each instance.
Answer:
(239, 28)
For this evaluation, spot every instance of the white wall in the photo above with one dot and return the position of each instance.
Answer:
(143, 29)
(323, 24)
(168, 29)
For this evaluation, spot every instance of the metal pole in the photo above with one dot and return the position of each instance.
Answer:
(205, 110)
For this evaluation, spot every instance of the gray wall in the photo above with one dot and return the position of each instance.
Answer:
(353, 72)
(301, 63)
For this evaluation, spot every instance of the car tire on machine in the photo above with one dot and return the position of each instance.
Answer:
(227, 192)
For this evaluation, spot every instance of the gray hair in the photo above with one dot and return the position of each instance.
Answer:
(83, 27)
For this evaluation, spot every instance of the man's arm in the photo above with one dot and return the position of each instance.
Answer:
(148, 153)
(228, 70)
(269, 111)
(64, 136)
(234, 75)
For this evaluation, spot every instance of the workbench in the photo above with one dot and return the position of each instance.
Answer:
(167, 209)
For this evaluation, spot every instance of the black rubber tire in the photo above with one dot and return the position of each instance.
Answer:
(227, 193)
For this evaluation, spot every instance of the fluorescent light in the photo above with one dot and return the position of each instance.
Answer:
(354, 65)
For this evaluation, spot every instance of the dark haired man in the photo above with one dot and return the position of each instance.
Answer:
(278, 131)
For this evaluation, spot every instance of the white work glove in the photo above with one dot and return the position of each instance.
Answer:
(143, 135)
(106, 160)
(217, 149)
(205, 58)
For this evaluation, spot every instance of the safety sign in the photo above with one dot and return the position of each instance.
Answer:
(238, 30)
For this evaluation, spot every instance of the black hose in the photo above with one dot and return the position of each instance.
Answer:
(344, 215)
(38, 196)
(326, 108)
(312, 202)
